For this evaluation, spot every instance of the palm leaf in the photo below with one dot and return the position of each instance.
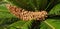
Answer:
(51, 6)
(55, 10)
(30, 4)
(55, 16)
(21, 25)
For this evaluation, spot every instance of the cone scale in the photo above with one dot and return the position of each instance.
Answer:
(26, 15)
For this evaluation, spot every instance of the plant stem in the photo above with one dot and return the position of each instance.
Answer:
(49, 24)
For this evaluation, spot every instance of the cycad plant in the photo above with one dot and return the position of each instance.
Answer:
(40, 8)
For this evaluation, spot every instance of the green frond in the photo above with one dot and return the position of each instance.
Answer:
(21, 24)
(30, 4)
(8, 21)
(55, 10)
(51, 4)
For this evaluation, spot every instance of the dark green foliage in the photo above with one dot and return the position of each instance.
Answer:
(6, 18)
(34, 5)
(1, 0)
(9, 21)
(30, 4)
(51, 4)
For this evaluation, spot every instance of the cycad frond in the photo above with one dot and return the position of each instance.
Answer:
(31, 5)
